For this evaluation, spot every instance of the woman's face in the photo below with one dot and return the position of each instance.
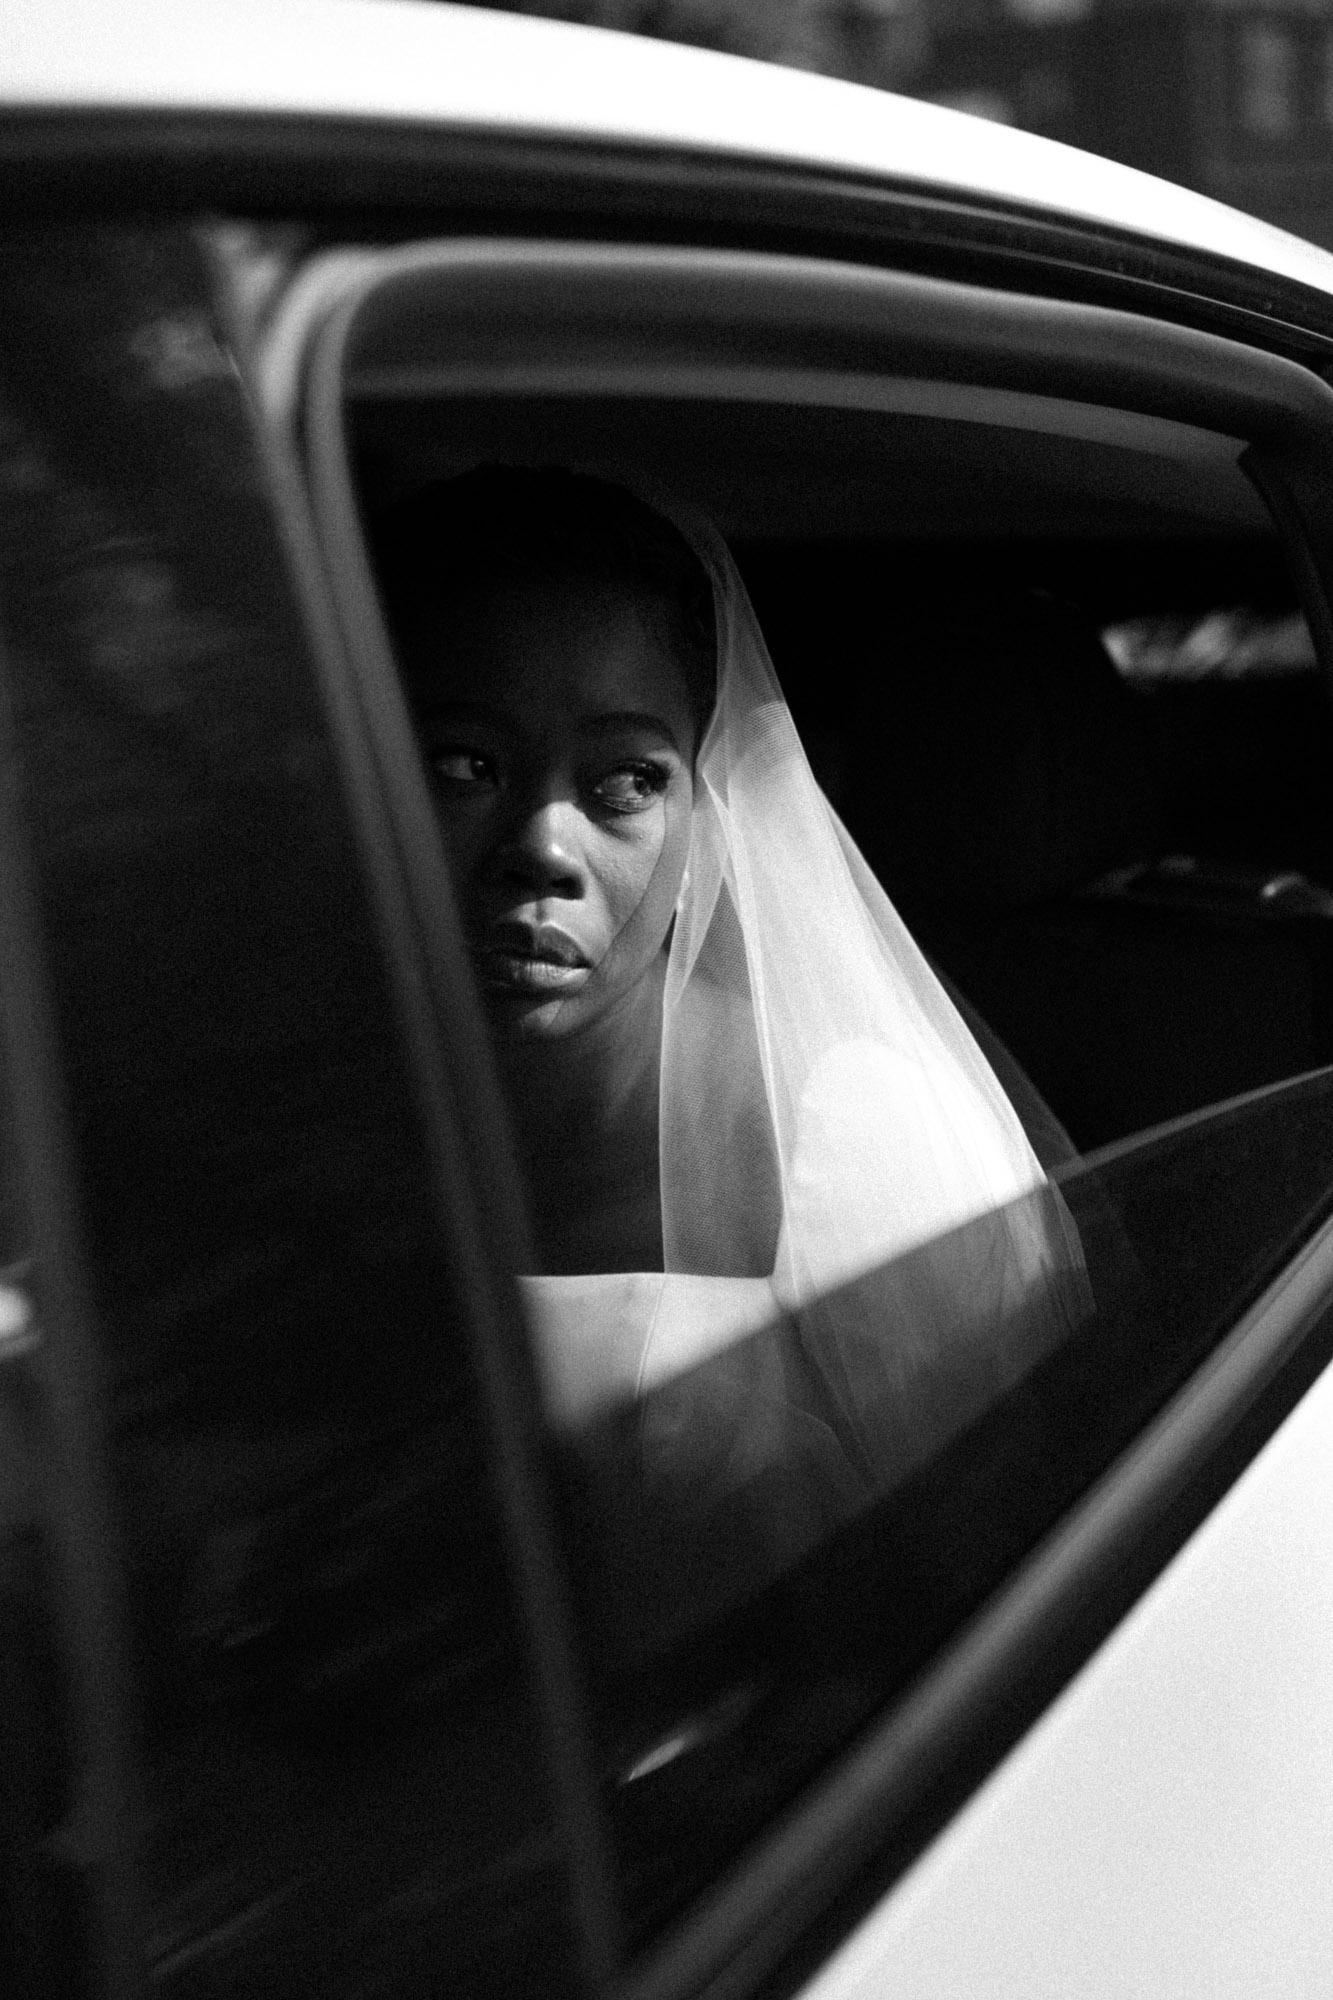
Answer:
(560, 740)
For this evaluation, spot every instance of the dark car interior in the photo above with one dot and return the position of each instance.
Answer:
(1123, 875)
(1124, 880)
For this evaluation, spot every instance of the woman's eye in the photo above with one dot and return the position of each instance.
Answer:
(464, 768)
(630, 787)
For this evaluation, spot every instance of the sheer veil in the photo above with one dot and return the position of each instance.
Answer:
(824, 1109)
(854, 1223)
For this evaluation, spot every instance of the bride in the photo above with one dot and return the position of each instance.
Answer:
(742, 1099)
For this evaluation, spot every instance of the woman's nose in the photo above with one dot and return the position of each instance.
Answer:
(543, 851)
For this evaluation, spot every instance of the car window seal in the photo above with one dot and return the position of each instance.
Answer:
(894, 322)
(420, 180)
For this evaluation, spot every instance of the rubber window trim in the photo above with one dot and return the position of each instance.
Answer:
(419, 176)
(825, 314)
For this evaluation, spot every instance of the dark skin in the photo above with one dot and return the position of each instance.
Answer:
(561, 742)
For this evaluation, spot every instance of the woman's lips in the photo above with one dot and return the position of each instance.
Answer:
(542, 961)
(516, 974)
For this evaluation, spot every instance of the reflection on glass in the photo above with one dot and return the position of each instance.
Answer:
(767, 1559)
(1266, 59)
(338, 1784)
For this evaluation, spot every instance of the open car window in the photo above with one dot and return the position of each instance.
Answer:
(940, 502)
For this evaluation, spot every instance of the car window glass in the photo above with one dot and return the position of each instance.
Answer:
(340, 1787)
(1237, 702)
(48, 1897)
(1231, 642)
(730, 1665)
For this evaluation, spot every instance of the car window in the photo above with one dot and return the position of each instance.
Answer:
(732, 1669)
(50, 1901)
(746, 1618)
(326, 1771)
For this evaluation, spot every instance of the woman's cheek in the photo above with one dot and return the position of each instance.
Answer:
(637, 866)
(678, 823)
(637, 882)
(673, 846)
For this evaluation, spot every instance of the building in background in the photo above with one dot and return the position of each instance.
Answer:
(1233, 97)
(870, 41)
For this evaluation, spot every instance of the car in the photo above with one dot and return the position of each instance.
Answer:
(325, 1658)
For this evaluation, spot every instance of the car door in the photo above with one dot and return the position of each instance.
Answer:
(339, 1598)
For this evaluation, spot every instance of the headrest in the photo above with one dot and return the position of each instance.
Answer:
(997, 757)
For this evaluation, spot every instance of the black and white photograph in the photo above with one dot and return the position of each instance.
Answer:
(666, 1000)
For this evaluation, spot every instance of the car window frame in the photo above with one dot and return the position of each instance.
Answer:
(805, 1882)
(355, 174)
(476, 1184)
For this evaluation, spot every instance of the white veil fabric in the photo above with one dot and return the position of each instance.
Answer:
(828, 1121)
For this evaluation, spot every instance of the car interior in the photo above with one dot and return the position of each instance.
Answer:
(1122, 875)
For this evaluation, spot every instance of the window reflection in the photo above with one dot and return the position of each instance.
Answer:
(764, 1569)
(1267, 79)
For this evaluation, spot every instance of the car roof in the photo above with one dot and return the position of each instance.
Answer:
(473, 69)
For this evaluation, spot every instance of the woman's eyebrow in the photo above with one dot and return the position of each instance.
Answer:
(444, 707)
(609, 721)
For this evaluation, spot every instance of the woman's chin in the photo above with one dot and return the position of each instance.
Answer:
(518, 1016)
(532, 999)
